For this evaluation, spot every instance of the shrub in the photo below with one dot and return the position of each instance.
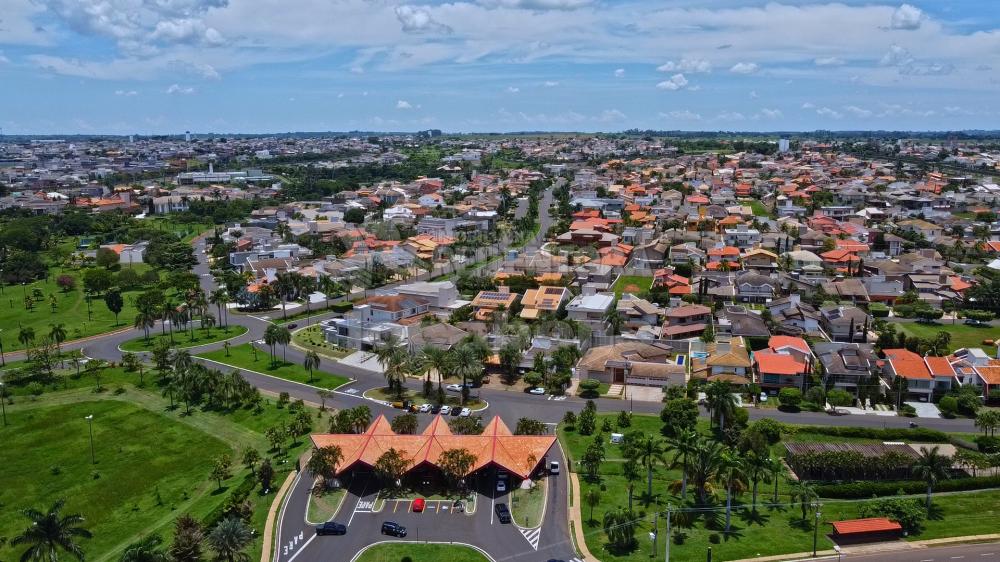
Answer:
(948, 406)
(909, 513)
(589, 387)
(790, 398)
(907, 411)
(868, 489)
(769, 428)
(816, 395)
(341, 306)
(988, 444)
(919, 434)
(569, 419)
(878, 310)
(837, 397)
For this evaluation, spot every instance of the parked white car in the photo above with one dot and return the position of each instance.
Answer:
(454, 388)
(537, 390)
(424, 408)
(465, 413)
(445, 410)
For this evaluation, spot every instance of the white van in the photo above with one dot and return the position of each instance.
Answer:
(554, 467)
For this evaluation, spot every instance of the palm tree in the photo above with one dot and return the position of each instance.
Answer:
(50, 533)
(931, 466)
(311, 362)
(630, 470)
(650, 451)
(467, 364)
(619, 525)
(207, 321)
(26, 336)
(230, 539)
(220, 298)
(144, 320)
(757, 469)
(721, 402)
(684, 445)
(731, 470)
(283, 336)
(592, 497)
(57, 333)
(391, 356)
(775, 469)
(146, 550)
(435, 359)
(802, 492)
(704, 465)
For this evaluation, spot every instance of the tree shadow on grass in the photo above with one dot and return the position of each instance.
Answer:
(219, 491)
(625, 550)
(936, 513)
(754, 517)
(799, 523)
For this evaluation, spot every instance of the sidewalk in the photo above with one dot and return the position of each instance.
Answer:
(576, 518)
(875, 548)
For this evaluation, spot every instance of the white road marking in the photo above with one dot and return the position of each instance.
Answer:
(532, 536)
(304, 545)
(987, 554)
(957, 557)
(493, 504)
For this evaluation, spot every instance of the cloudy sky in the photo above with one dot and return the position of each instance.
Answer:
(164, 66)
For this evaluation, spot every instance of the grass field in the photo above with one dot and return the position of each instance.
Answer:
(70, 310)
(961, 335)
(396, 552)
(770, 530)
(325, 507)
(759, 210)
(451, 398)
(311, 337)
(119, 499)
(182, 340)
(242, 356)
(631, 284)
(528, 506)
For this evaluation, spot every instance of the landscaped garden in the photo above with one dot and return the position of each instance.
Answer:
(769, 512)
(631, 284)
(962, 335)
(245, 356)
(527, 507)
(183, 339)
(450, 399)
(311, 338)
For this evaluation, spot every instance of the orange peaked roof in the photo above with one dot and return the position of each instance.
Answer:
(517, 453)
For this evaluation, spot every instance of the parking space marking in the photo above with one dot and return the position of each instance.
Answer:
(362, 505)
(532, 536)
(303, 547)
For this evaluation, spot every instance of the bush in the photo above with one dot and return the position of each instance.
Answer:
(988, 444)
(816, 395)
(878, 310)
(918, 434)
(868, 489)
(907, 411)
(589, 387)
(769, 428)
(790, 398)
(837, 397)
(341, 306)
(909, 513)
(948, 406)
(904, 310)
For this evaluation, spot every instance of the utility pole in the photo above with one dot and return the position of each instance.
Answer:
(3, 400)
(816, 527)
(90, 421)
(652, 535)
(666, 538)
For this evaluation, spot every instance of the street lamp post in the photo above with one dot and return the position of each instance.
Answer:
(816, 527)
(3, 363)
(90, 421)
(3, 402)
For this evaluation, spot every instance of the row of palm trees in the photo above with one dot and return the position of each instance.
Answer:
(193, 383)
(57, 334)
(195, 304)
(464, 360)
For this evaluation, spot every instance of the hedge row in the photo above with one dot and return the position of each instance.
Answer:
(858, 490)
(341, 306)
(886, 434)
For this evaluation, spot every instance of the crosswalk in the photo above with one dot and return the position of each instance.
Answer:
(532, 536)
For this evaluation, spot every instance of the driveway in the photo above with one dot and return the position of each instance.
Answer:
(925, 409)
(644, 393)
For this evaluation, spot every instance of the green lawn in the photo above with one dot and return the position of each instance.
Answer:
(70, 310)
(450, 398)
(772, 530)
(397, 552)
(67, 378)
(182, 340)
(961, 334)
(148, 468)
(325, 507)
(242, 356)
(630, 282)
(759, 210)
(312, 338)
(528, 506)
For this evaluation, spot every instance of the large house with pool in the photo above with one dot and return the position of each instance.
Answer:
(632, 362)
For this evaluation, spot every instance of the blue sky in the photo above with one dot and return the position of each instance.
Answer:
(165, 66)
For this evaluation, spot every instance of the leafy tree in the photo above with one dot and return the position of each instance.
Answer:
(230, 540)
(250, 458)
(528, 426)
(587, 422)
(569, 418)
(323, 463)
(391, 466)
(948, 406)
(679, 415)
(114, 302)
(96, 281)
(265, 474)
(222, 468)
(188, 536)
(593, 456)
(404, 423)
(790, 398)
(51, 533)
(905, 511)
(66, 282)
(106, 258)
(455, 464)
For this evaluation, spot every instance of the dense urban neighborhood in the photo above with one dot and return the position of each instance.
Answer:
(541, 347)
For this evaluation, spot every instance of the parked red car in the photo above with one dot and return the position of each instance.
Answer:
(418, 505)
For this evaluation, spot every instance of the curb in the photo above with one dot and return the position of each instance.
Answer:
(272, 513)
(946, 541)
(247, 331)
(576, 520)
(467, 545)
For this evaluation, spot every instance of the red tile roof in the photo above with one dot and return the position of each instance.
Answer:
(907, 364)
(778, 342)
(939, 366)
(777, 363)
(870, 525)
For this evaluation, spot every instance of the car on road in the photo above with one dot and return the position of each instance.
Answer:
(445, 410)
(424, 408)
(394, 529)
(554, 467)
(501, 486)
(436, 409)
(465, 412)
(331, 528)
(537, 390)
(292, 326)
(456, 411)
(503, 514)
(418, 505)
(454, 388)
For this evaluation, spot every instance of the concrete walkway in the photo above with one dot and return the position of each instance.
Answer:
(875, 548)
(576, 518)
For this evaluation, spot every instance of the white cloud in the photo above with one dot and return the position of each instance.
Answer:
(896, 56)
(858, 111)
(681, 115)
(906, 17)
(676, 82)
(808, 105)
(901, 58)
(537, 4)
(126, 93)
(744, 68)
(691, 66)
(417, 19)
(178, 89)
(827, 112)
(610, 115)
(550, 83)
(771, 113)
(730, 116)
(829, 61)
(403, 104)
(753, 94)
(619, 72)
(513, 89)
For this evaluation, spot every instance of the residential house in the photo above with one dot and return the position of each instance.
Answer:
(848, 366)
(791, 315)
(759, 259)
(757, 288)
(688, 321)
(591, 310)
(632, 362)
(544, 299)
(845, 323)
(487, 303)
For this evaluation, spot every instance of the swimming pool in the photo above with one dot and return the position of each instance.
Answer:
(699, 355)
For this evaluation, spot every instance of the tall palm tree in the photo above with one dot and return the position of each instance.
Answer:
(704, 465)
(775, 470)
(650, 451)
(144, 320)
(731, 471)
(931, 466)
(220, 298)
(311, 362)
(468, 365)
(230, 539)
(283, 336)
(51, 533)
(146, 550)
(756, 470)
(435, 359)
(721, 402)
(57, 333)
(207, 321)
(803, 493)
(271, 339)
(684, 445)
(630, 470)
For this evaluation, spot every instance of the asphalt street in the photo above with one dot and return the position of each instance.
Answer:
(987, 552)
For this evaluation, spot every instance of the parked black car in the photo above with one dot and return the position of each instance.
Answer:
(436, 409)
(456, 411)
(503, 514)
(394, 529)
(331, 528)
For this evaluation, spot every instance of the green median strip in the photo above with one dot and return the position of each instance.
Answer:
(244, 356)
(183, 340)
